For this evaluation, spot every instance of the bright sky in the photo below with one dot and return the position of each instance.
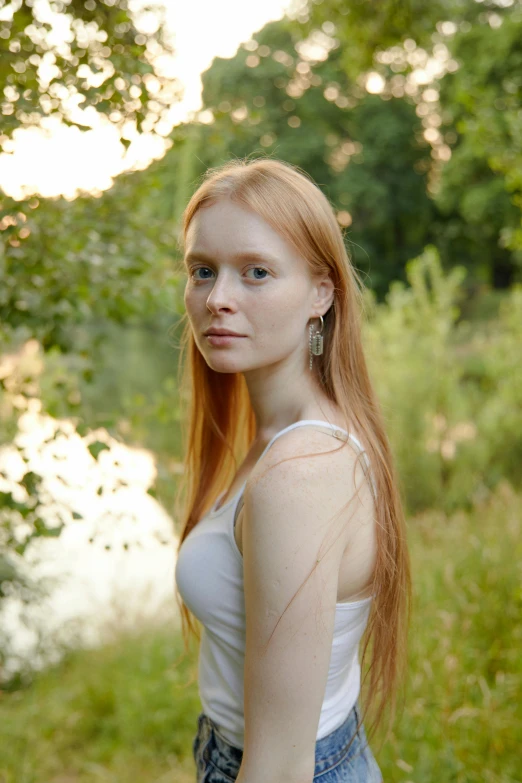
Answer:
(66, 158)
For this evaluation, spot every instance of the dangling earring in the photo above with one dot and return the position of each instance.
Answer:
(316, 341)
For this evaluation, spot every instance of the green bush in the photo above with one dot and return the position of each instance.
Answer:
(451, 391)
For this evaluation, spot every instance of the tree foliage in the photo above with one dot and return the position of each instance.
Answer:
(66, 263)
(74, 55)
(481, 186)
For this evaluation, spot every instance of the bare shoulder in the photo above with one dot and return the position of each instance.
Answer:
(323, 470)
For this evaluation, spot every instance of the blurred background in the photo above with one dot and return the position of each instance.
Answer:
(408, 115)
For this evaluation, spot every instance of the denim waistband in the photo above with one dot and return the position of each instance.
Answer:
(329, 750)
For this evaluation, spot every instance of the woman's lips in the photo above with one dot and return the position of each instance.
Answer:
(223, 339)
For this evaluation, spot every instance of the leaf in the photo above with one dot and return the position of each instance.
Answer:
(97, 447)
(31, 482)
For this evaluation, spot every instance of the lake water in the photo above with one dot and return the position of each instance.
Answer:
(96, 585)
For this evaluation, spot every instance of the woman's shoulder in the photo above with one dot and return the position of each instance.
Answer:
(307, 453)
(312, 481)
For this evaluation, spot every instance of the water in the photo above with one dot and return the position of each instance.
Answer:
(98, 587)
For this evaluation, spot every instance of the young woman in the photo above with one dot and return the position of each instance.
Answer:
(290, 559)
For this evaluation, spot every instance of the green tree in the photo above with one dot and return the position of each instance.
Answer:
(66, 263)
(364, 28)
(82, 54)
(481, 185)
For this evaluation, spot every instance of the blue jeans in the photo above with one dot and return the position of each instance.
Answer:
(218, 762)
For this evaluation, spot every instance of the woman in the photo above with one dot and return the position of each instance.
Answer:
(289, 560)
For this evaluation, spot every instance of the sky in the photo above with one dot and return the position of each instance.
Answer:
(61, 159)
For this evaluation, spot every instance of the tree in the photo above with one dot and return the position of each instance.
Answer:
(75, 59)
(481, 185)
(477, 193)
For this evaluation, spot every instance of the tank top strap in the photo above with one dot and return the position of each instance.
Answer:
(325, 426)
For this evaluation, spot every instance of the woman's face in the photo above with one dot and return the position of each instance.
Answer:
(244, 277)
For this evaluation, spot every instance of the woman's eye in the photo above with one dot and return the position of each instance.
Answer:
(252, 269)
(258, 269)
(197, 269)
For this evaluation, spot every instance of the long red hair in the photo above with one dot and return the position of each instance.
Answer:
(218, 423)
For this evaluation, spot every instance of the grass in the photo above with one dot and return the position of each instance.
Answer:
(123, 712)
(118, 713)
(462, 720)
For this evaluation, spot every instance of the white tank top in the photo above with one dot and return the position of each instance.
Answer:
(209, 577)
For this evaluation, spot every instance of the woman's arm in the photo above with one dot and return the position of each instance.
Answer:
(288, 525)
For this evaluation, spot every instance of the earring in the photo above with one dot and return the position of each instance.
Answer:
(316, 341)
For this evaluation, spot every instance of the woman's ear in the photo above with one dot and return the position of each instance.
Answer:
(325, 291)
